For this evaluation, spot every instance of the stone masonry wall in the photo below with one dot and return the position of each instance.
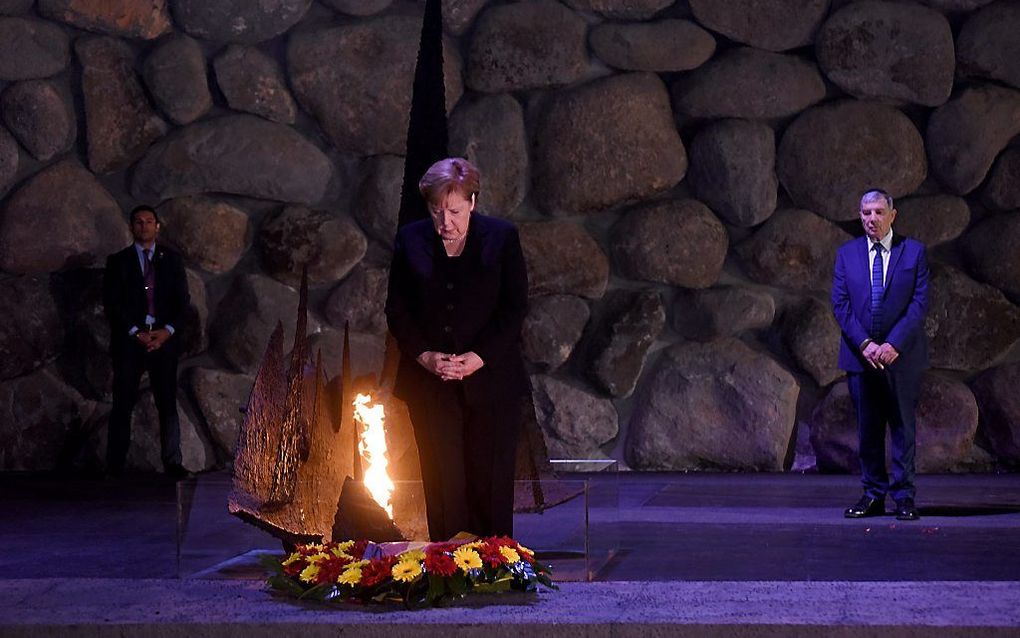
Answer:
(681, 172)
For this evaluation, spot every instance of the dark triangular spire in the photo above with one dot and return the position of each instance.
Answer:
(427, 136)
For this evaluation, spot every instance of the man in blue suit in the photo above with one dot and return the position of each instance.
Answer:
(879, 298)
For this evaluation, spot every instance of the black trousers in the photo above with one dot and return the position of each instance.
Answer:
(130, 360)
(467, 454)
(886, 398)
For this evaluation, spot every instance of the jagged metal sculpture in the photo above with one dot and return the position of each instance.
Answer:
(297, 469)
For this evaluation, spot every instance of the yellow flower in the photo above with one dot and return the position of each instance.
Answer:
(414, 554)
(359, 564)
(344, 546)
(529, 552)
(350, 576)
(339, 553)
(467, 559)
(405, 571)
(510, 554)
(296, 556)
(312, 548)
(317, 558)
(472, 545)
(309, 573)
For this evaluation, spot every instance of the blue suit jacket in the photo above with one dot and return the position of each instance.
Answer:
(904, 303)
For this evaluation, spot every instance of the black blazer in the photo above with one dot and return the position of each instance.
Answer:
(124, 292)
(476, 302)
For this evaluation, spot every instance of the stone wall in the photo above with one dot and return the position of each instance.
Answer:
(682, 173)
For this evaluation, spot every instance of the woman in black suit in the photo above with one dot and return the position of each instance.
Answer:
(458, 295)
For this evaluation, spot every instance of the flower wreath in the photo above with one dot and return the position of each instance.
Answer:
(417, 574)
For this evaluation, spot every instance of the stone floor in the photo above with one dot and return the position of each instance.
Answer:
(704, 554)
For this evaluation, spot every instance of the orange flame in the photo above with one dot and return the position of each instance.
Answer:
(372, 446)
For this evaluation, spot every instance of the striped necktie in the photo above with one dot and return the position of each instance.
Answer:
(877, 289)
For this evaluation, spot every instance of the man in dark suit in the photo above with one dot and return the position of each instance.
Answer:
(458, 295)
(145, 293)
(880, 298)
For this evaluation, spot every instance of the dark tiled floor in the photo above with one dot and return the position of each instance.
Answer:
(703, 527)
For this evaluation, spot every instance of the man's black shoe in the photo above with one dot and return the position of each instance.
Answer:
(866, 507)
(905, 510)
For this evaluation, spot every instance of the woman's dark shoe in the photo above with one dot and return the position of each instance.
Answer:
(866, 507)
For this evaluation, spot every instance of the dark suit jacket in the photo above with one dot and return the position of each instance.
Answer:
(124, 292)
(479, 305)
(904, 303)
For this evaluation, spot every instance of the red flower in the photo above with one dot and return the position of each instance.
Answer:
(295, 568)
(330, 569)
(358, 549)
(439, 563)
(491, 555)
(377, 570)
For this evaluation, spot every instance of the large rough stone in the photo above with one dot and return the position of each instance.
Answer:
(793, 249)
(238, 21)
(888, 50)
(932, 219)
(15, 7)
(999, 407)
(812, 336)
(489, 131)
(987, 46)
(367, 352)
(576, 423)
(63, 195)
(120, 123)
(239, 154)
(458, 15)
(552, 328)
(733, 170)
(31, 48)
(776, 25)
(377, 202)
(748, 83)
(9, 159)
(947, 419)
(630, 323)
(965, 134)
(604, 143)
(145, 19)
(664, 46)
(718, 312)
(360, 300)
(193, 332)
(676, 242)
(208, 233)
(32, 332)
(1002, 189)
(717, 405)
(832, 153)
(360, 7)
(622, 9)
(253, 82)
(957, 304)
(175, 75)
(220, 396)
(39, 416)
(86, 364)
(956, 6)
(40, 114)
(563, 258)
(296, 237)
(528, 45)
(356, 80)
(991, 251)
(247, 316)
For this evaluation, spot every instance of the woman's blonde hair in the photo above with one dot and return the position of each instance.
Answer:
(453, 174)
